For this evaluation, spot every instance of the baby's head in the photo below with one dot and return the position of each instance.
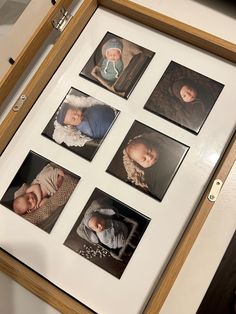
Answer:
(25, 203)
(97, 222)
(142, 152)
(185, 90)
(113, 49)
(112, 64)
(69, 115)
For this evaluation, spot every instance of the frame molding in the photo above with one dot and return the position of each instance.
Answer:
(42, 76)
(173, 27)
(35, 42)
(126, 8)
(14, 268)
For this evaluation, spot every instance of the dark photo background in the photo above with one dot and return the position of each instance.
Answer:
(29, 169)
(130, 75)
(98, 253)
(46, 216)
(161, 174)
(90, 148)
(192, 115)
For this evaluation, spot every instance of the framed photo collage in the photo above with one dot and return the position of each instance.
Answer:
(112, 160)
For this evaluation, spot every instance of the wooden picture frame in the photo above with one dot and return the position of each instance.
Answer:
(14, 268)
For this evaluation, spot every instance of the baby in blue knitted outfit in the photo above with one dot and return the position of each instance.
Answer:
(112, 64)
(93, 121)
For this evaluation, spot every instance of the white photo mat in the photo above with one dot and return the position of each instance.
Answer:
(45, 253)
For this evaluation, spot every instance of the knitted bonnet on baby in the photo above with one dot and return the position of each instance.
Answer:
(134, 173)
(177, 85)
(100, 207)
(62, 113)
(110, 70)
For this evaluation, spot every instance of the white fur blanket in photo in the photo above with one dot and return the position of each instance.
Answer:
(70, 135)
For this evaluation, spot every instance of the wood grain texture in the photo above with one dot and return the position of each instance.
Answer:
(190, 234)
(66, 304)
(175, 28)
(39, 286)
(14, 268)
(45, 71)
(35, 43)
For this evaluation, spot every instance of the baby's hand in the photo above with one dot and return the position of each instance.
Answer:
(36, 189)
(61, 173)
(60, 178)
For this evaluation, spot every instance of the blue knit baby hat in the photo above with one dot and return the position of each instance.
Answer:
(110, 70)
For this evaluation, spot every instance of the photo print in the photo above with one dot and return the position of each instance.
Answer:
(184, 97)
(148, 160)
(221, 294)
(39, 191)
(107, 232)
(81, 123)
(117, 64)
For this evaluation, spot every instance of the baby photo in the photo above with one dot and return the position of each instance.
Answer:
(81, 123)
(117, 64)
(148, 160)
(107, 232)
(184, 97)
(39, 191)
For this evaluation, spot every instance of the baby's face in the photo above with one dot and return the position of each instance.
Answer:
(73, 117)
(188, 93)
(113, 54)
(142, 155)
(26, 203)
(97, 224)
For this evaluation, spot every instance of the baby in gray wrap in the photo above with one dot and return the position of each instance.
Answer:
(100, 224)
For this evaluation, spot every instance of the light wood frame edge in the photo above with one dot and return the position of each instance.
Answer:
(127, 8)
(40, 286)
(190, 234)
(46, 70)
(66, 304)
(29, 51)
(29, 278)
(173, 27)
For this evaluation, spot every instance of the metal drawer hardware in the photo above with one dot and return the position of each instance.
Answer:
(61, 20)
(19, 103)
(215, 190)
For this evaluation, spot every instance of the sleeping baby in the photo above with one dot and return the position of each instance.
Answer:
(31, 197)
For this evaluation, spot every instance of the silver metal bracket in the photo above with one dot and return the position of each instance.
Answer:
(215, 190)
(19, 103)
(61, 20)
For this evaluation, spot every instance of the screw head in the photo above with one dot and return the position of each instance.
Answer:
(23, 97)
